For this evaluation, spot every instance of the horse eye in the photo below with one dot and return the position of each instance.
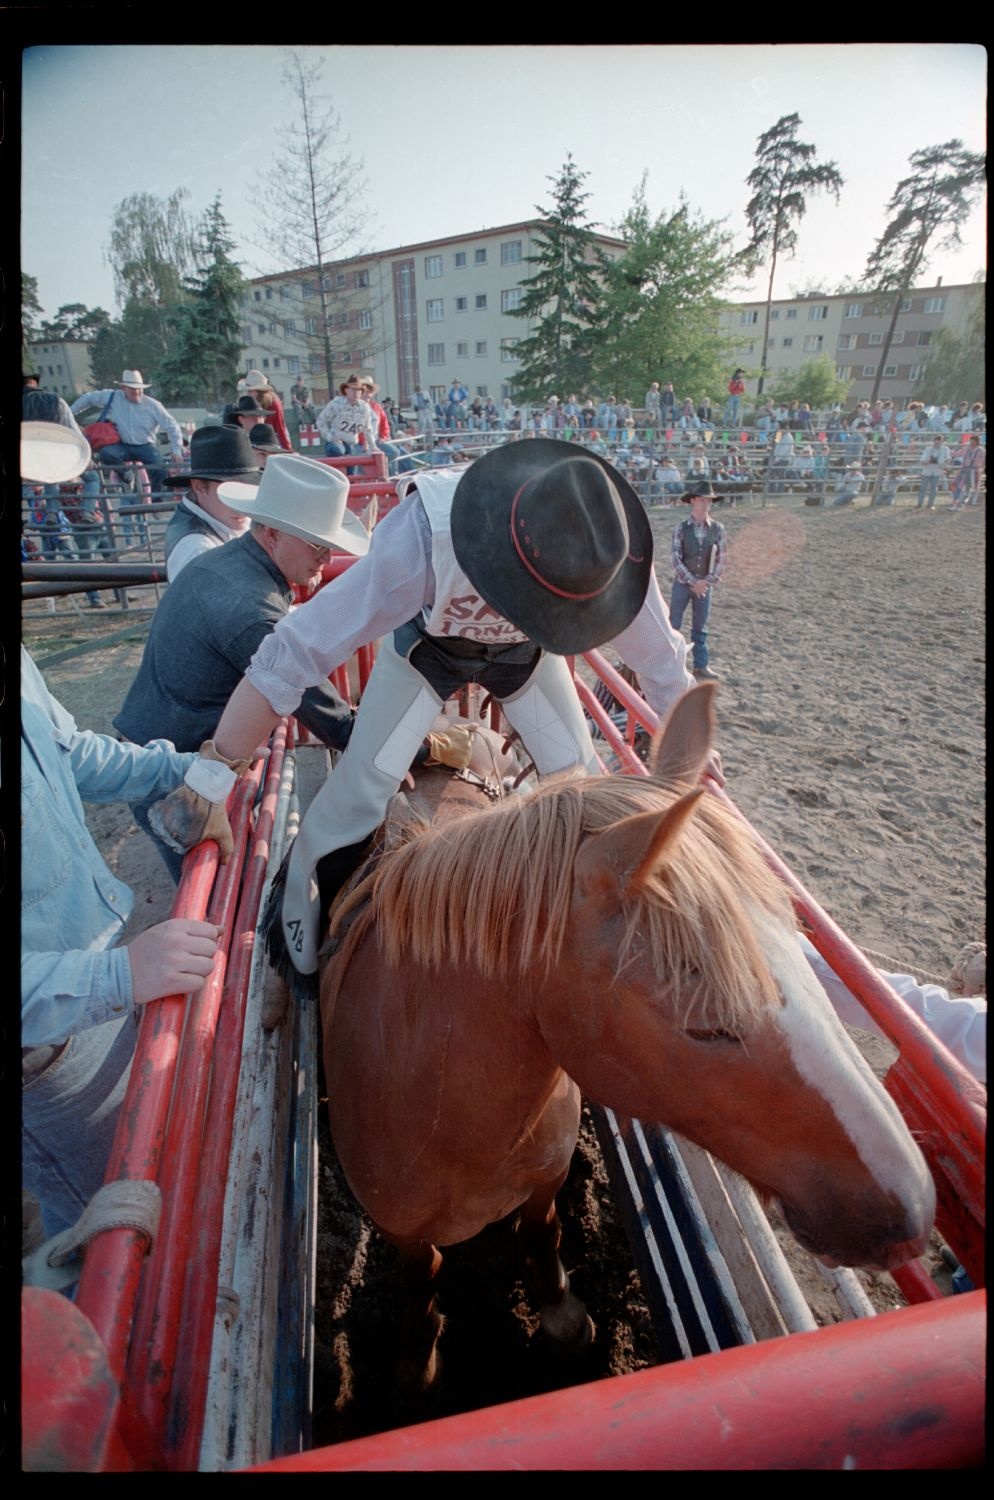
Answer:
(715, 1036)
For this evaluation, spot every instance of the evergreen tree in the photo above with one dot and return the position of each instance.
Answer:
(661, 307)
(561, 297)
(785, 171)
(31, 311)
(926, 209)
(201, 365)
(74, 320)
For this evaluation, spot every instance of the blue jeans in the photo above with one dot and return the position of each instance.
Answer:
(136, 453)
(700, 609)
(68, 1118)
(733, 410)
(928, 489)
(399, 463)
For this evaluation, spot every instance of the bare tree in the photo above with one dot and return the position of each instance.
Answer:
(312, 204)
(933, 201)
(785, 171)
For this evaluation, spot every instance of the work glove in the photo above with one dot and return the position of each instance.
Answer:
(196, 809)
(453, 747)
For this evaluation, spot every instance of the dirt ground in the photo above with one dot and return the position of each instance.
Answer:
(851, 648)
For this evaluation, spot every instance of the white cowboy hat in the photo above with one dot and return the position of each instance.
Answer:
(256, 381)
(134, 379)
(51, 454)
(304, 497)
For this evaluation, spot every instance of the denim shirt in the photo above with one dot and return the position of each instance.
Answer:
(72, 908)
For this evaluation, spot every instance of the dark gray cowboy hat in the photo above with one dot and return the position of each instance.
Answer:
(245, 406)
(701, 491)
(555, 540)
(263, 438)
(218, 453)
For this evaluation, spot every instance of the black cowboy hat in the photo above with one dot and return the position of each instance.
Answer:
(245, 406)
(702, 491)
(263, 437)
(555, 540)
(218, 453)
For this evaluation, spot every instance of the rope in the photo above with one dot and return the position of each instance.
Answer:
(892, 966)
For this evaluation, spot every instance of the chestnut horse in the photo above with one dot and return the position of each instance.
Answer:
(619, 936)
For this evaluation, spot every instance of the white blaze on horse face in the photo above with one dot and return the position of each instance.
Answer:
(827, 1057)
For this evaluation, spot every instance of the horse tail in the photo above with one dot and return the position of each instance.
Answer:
(301, 986)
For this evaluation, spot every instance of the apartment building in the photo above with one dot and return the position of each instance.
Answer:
(422, 314)
(851, 330)
(64, 366)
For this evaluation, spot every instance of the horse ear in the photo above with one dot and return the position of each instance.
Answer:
(630, 851)
(681, 745)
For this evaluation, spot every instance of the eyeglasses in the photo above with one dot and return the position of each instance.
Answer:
(319, 551)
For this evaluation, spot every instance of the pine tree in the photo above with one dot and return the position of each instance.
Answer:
(562, 295)
(202, 364)
(927, 209)
(785, 171)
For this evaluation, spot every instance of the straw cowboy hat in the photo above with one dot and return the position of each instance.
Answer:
(369, 384)
(555, 540)
(52, 454)
(134, 379)
(256, 381)
(218, 453)
(304, 497)
(352, 380)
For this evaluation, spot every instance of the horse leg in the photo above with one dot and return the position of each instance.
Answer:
(419, 1365)
(563, 1317)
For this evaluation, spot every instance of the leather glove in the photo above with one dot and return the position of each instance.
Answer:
(453, 747)
(196, 809)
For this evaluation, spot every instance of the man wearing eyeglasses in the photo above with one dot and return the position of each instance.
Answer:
(216, 612)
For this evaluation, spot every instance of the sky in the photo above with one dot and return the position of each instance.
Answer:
(456, 139)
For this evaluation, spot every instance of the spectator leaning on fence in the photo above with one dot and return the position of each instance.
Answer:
(137, 418)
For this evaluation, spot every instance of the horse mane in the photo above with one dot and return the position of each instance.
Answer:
(493, 890)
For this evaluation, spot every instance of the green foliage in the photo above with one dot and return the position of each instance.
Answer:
(926, 211)
(661, 307)
(201, 363)
(561, 297)
(31, 308)
(74, 320)
(152, 248)
(136, 341)
(956, 369)
(785, 172)
(815, 382)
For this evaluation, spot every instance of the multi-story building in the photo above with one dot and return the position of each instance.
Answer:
(851, 329)
(421, 314)
(64, 366)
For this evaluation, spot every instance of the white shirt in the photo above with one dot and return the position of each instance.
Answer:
(189, 547)
(390, 585)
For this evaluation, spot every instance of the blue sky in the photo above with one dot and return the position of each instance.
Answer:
(461, 138)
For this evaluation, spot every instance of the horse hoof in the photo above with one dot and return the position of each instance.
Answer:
(567, 1325)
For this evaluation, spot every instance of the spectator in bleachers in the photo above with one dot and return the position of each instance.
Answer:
(667, 479)
(347, 423)
(651, 403)
(733, 406)
(491, 416)
(596, 443)
(398, 461)
(939, 420)
(978, 416)
(588, 414)
(934, 462)
(857, 441)
(705, 415)
(698, 456)
(257, 385)
(607, 419)
(507, 410)
(887, 494)
(966, 489)
(764, 422)
(805, 421)
(667, 406)
(455, 410)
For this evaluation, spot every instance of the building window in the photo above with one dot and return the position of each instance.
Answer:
(459, 260)
(905, 305)
(788, 343)
(436, 354)
(481, 346)
(243, 300)
(262, 330)
(923, 339)
(276, 364)
(247, 334)
(286, 292)
(843, 372)
(791, 313)
(898, 338)
(749, 317)
(510, 253)
(770, 343)
(509, 351)
(365, 318)
(480, 259)
(462, 351)
(326, 283)
(817, 314)
(293, 364)
(847, 341)
(341, 279)
(265, 364)
(890, 371)
(481, 390)
(362, 278)
(934, 304)
(307, 289)
(462, 303)
(511, 299)
(481, 300)
(433, 266)
(258, 295)
(853, 310)
(813, 343)
(435, 310)
(316, 364)
(876, 338)
(311, 325)
(916, 372)
(289, 328)
(437, 392)
(269, 294)
(774, 314)
(869, 370)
